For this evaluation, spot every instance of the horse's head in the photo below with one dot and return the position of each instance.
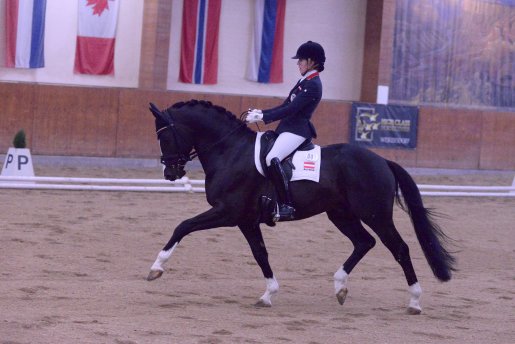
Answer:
(175, 148)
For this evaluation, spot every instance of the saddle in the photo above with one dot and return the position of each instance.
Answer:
(267, 141)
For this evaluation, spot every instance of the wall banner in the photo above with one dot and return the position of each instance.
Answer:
(390, 126)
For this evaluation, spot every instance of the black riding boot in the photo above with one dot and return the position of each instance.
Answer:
(286, 211)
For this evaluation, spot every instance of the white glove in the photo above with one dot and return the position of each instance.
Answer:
(254, 116)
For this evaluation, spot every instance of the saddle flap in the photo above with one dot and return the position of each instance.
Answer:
(309, 168)
(267, 142)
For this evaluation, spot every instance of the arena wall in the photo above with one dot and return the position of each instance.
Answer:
(115, 122)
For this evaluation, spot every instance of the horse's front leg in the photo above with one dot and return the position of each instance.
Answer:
(215, 217)
(255, 239)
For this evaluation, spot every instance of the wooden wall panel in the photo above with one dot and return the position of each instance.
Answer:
(106, 122)
(498, 141)
(17, 112)
(75, 121)
(231, 102)
(405, 157)
(136, 130)
(448, 138)
(331, 120)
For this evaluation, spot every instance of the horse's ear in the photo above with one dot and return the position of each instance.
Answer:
(155, 111)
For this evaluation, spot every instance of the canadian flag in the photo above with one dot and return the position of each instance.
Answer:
(94, 52)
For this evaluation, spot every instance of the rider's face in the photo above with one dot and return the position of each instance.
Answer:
(305, 65)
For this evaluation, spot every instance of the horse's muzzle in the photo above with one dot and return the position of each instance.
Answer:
(173, 173)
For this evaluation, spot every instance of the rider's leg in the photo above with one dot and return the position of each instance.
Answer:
(285, 144)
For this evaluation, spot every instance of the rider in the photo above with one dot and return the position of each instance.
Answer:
(295, 126)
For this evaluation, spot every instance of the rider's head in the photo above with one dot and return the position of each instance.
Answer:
(311, 56)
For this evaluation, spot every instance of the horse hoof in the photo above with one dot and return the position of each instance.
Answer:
(154, 274)
(262, 304)
(341, 295)
(414, 311)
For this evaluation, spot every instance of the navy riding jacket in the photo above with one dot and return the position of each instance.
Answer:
(296, 111)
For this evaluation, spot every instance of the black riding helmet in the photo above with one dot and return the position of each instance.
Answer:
(312, 50)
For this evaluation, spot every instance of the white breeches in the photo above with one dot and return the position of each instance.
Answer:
(285, 144)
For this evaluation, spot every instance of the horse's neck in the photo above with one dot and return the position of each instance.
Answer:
(225, 149)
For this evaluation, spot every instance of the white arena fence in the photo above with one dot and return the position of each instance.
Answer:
(108, 184)
(191, 186)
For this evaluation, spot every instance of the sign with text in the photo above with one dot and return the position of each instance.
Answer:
(379, 125)
(18, 162)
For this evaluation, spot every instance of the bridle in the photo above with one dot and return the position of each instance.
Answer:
(179, 160)
(175, 160)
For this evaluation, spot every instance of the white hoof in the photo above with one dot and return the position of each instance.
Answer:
(414, 302)
(271, 288)
(340, 285)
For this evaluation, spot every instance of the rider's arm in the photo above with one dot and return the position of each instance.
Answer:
(310, 94)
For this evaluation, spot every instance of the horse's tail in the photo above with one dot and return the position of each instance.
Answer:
(429, 234)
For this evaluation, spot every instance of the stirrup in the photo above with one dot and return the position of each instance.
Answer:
(284, 212)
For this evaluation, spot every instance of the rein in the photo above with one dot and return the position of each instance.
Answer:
(180, 159)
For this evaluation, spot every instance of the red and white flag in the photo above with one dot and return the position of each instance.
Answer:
(199, 41)
(309, 166)
(94, 53)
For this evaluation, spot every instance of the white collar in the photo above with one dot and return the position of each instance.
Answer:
(313, 71)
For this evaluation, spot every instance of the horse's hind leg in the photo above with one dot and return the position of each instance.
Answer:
(255, 239)
(362, 241)
(385, 229)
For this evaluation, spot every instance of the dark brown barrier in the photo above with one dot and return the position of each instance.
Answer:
(498, 141)
(16, 112)
(449, 138)
(114, 122)
(75, 121)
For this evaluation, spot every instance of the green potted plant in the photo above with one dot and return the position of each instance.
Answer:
(18, 161)
(19, 140)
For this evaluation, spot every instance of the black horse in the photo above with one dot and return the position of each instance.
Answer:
(356, 185)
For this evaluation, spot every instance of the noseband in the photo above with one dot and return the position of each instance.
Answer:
(176, 160)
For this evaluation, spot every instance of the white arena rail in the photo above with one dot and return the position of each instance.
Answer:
(190, 185)
(88, 184)
(467, 190)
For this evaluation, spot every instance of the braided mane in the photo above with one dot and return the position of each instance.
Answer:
(208, 105)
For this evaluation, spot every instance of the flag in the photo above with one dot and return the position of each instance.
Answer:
(309, 165)
(199, 41)
(94, 51)
(25, 33)
(266, 60)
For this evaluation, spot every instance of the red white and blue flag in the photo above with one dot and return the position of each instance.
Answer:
(266, 60)
(25, 33)
(94, 52)
(199, 41)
